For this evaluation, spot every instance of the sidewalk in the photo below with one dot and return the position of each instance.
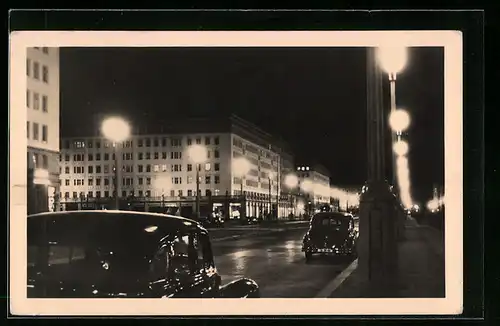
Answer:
(421, 268)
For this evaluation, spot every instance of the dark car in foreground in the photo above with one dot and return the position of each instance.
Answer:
(331, 233)
(113, 254)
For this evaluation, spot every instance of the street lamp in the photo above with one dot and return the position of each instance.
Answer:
(116, 130)
(400, 148)
(271, 178)
(241, 166)
(197, 154)
(399, 121)
(291, 182)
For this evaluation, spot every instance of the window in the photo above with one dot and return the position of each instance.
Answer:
(208, 192)
(216, 179)
(75, 195)
(207, 179)
(148, 181)
(45, 161)
(45, 50)
(198, 140)
(216, 140)
(164, 155)
(156, 168)
(106, 168)
(141, 194)
(98, 144)
(106, 156)
(189, 141)
(98, 194)
(44, 133)
(155, 142)
(140, 143)
(140, 156)
(106, 181)
(141, 180)
(190, 193)
(172, 193)
(28, 67)
(216, 153)
(28, 98)
(90, 144)
(28, 129)
(148, 168)
(207, 140)
(91, 194)
(156, 155)
(36, 70)
(179, 193)
(66, 182)
(140, 168)
(148, 142)
(45, 104)
(35, 131)
(216, 166)
(98, 156)
(66, 170)
(207, 166)
(45, 74)
(90, 157)
(91, 182)
(190, 167)
(148, 156)
(91, 169)
(164, 168)
(98, 181)
(36, 101)
(98, 169)
(124, 193)
(189, 179)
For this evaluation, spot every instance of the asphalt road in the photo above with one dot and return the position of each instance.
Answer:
(275, 261)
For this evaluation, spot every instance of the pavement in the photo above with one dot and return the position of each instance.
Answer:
(421, 268)
(239, 231)
(274, 259)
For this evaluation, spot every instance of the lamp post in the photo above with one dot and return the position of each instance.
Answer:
(270, 177)
(307, 186)
(291, 181)
(198, 154)
(241, 166)
(393, 61)
(117, 130)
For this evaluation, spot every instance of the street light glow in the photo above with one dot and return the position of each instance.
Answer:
(291, 181)
(241, 166)
(307, 185)
(197, 153)
(399, 120)
(392, 58)
(400, 148)
(115, 129)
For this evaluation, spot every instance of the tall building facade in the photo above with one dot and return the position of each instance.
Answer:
(155, 167)
(318, 187)
(42, 128)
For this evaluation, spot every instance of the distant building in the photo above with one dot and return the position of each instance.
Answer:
(314, 181)
(154, 167)
(42, 127)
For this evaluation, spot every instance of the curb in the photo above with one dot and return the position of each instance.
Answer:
(327, 291)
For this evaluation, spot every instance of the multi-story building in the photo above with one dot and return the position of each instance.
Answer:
(42, 127)
(154, 166)
(318, 183)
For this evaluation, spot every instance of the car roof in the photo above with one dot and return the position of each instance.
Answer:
(172, 220)
(335, 214)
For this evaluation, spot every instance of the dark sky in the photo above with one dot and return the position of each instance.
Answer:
(315, 98)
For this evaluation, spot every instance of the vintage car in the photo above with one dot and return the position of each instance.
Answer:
(103, 254)
(331, 233)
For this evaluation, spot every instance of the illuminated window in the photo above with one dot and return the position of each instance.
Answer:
(207, 166)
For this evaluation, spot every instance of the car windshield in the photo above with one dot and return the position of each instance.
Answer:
(330, 220)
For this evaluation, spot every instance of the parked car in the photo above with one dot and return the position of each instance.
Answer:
(331, 233)
(212, 221)
(102, 254)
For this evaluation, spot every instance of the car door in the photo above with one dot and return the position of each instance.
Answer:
(205, 277)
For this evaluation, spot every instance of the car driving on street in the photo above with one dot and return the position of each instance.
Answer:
(330, 233)
(99, 254)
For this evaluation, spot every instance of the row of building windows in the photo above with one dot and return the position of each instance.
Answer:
(140, 193)
(35, 104)
(35, 133)
(140, 168)
(252, 149)
(140, 181)
(130, 156)
(43, 163)
(33, 70)
(143, 142)
(44, 49)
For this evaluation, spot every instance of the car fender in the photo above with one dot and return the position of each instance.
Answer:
(242, 288)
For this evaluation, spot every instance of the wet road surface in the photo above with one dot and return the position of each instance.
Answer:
(275, 261)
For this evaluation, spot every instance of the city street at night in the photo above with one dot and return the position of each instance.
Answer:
(275, 261)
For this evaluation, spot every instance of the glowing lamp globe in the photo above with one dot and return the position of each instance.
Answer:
(392, 58)
(197, 153)
(400, 148)
(399, 120)
(291, 181)
(241, 166)
(115, 129)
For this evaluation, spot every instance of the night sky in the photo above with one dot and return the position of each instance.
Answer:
(314, 98)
